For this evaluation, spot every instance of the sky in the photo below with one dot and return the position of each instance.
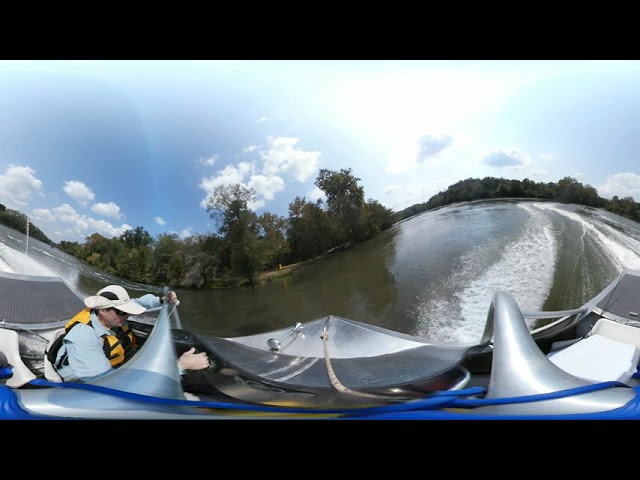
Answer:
(103, 146)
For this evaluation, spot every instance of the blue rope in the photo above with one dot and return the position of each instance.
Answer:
(434, 403)
(480, 402)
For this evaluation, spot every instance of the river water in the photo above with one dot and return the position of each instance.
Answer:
(432, 275)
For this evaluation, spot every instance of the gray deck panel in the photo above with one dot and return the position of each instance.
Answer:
(624, 299)
(55, 301)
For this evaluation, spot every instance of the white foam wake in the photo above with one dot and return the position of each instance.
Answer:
(524, 266)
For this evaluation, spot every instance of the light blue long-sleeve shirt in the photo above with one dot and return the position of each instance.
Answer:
(83, 344)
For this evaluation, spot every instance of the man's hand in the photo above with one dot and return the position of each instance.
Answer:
(193, 361)
(172, 297)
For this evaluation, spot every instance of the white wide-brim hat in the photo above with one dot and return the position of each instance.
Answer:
(114, 296)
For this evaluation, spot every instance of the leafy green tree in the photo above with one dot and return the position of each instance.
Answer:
(95, 259)
(203, 263)
(138, 237)
(102, 251)
(590, 197)
(134, 256)
(228, 206)
(345, 199)
(14, 219)
(567, 189)
(135, 264)
(74, 249)
(310, 231)
(168, 260)
(376, 219)
(273, 231)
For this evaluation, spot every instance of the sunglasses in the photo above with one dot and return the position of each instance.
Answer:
(120, 313)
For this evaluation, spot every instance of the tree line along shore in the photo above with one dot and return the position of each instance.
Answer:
(248, 248)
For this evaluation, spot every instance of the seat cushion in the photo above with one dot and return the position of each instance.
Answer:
(598, 359)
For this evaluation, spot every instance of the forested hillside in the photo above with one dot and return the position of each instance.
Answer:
(246, 244)
(567, 190)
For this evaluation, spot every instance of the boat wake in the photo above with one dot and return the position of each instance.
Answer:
(13, 261)
(526, 266)
(523, 265)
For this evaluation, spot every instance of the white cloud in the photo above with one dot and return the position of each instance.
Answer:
(79, 192)
(65, 212)
(281, 157)
(230, 175)
(209, 162)
(263, 120)
(432, 146)
(182, 234)
(408, 154)
(107, 209)
(105, 228)
(500, 158)
(621, 184)
(160, 221)
(256, 205)
(316, 194)
(17, 186)
(266, 187)
(42, 214)
(78, 226)
(250, 148)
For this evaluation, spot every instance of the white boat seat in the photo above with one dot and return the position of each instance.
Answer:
(609, 353)
(617, 331)
(10, 347)
(50, 372)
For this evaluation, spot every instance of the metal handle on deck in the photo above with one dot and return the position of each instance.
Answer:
(275, 344)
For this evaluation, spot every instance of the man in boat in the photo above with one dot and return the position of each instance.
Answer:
(99, 340)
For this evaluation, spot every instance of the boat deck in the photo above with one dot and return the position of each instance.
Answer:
(37, 301)
(622, 303)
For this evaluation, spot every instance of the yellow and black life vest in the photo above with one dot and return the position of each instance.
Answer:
(117, 347)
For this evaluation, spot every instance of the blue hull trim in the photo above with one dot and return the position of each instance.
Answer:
(448, 405)
(10, 408)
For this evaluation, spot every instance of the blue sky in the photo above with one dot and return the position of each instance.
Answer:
(104, 146)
